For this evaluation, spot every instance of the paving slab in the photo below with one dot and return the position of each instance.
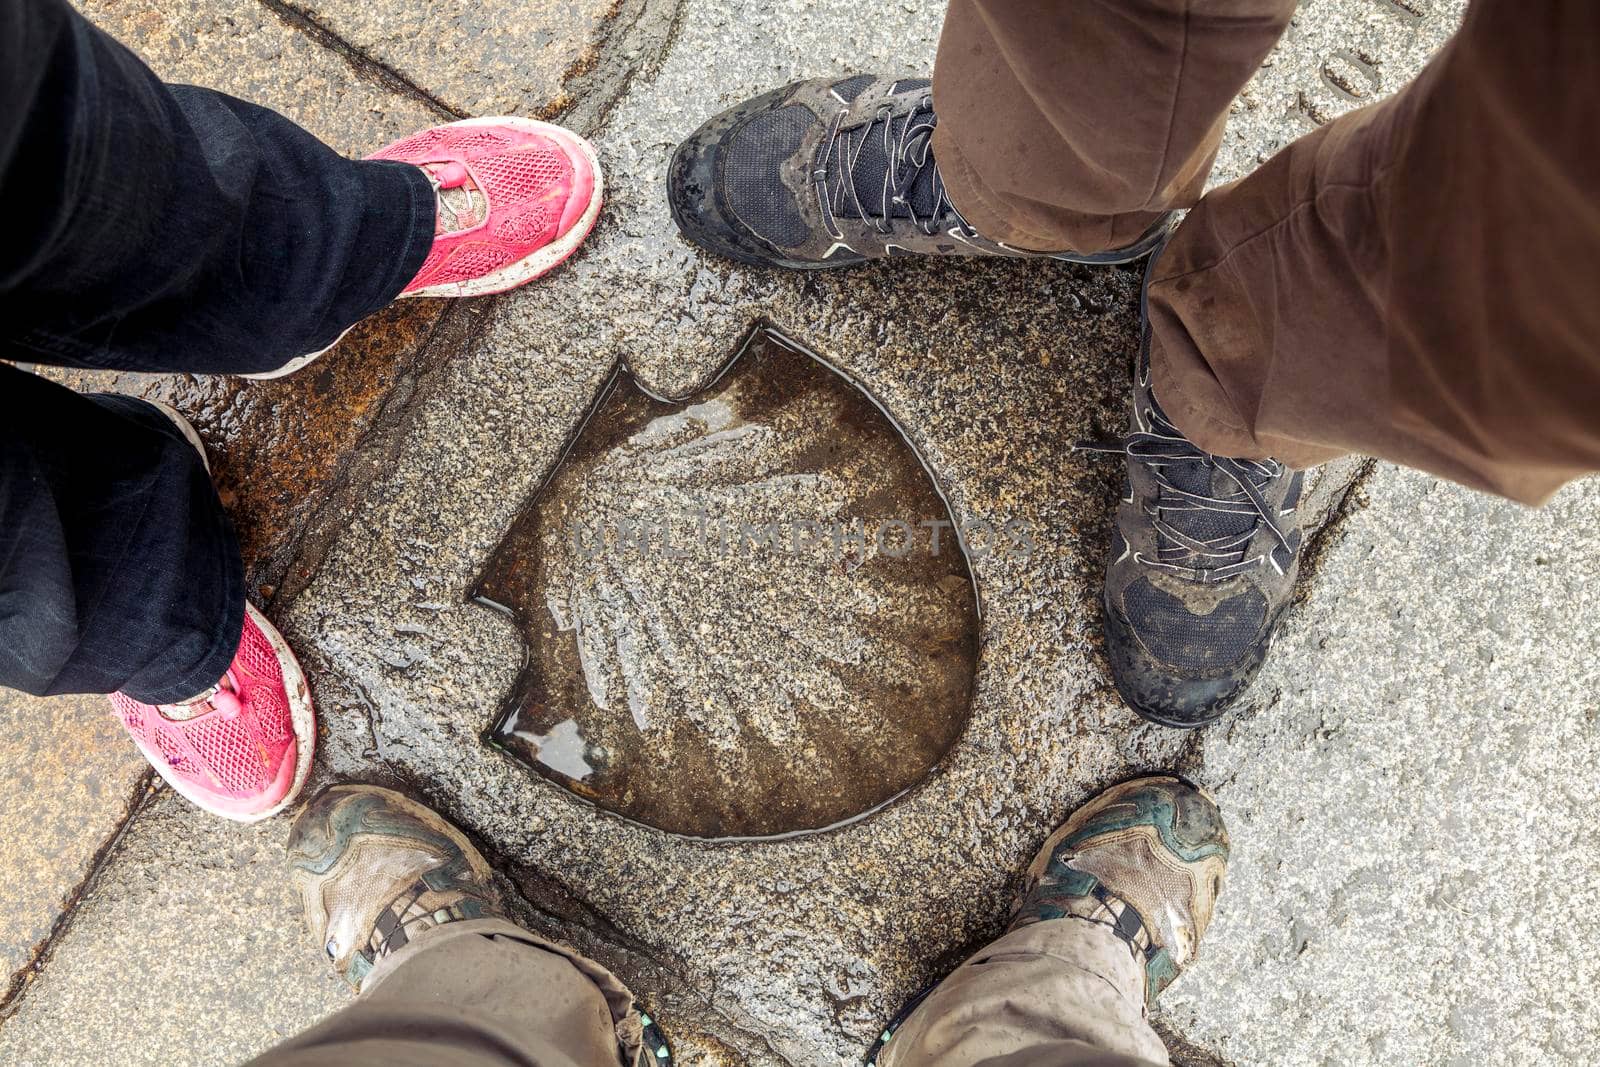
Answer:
(281, 451)
(194, 952)
(1335, 56)
(1412, 794)
(71, 777)
(245, 48)
(479, 57)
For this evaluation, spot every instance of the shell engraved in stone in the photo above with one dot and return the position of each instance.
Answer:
(740, 604)
(735, 635)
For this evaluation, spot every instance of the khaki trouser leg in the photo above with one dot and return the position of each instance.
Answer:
(1073, 124)
(1060, 993)
(1416, 280)
(481, 993)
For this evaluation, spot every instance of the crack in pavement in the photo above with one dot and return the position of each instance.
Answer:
(144, 788)
(363, 63)
(456, 332)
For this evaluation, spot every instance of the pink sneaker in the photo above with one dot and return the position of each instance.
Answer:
(243, 749)
(516, 198)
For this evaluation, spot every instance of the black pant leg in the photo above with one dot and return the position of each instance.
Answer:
(118, 567)
(157, 227)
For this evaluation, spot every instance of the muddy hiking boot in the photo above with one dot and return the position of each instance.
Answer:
(1146, 858)
(374, 869)
(1203, 561)
(830, 173)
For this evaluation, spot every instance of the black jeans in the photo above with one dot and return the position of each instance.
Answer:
(152, 227)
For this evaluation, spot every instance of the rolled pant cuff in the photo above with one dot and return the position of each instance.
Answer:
(213, 544)
(966, 192)
(1084, 234)
(401, 212)
(216, 662)
(1064, 991)
(1197, 418)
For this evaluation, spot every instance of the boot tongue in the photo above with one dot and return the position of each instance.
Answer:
(1206, 479)
(1197, 476)
(870, 172)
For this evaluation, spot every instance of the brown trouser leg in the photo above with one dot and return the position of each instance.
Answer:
(1073, 124)
(1417, 280)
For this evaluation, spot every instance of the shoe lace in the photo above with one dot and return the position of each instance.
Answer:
(226, 697)
(908, 151)
(1178, 466)
(452, 217)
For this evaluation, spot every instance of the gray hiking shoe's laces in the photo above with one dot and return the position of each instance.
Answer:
(1162, 448)
(908, 152)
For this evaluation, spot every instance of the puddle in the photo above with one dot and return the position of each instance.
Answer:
(747, 614)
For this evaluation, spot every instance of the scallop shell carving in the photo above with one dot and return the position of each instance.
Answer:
(746, 613)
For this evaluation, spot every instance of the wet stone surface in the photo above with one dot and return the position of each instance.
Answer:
(70, 775)
(244, 48)
(479, 57)
(161, 976)
(280, 450)
(748, 613)
(1409, 750)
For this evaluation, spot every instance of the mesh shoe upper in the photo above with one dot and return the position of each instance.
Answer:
(240, 751)
(1167, 627)
(853, 157)
(755, 152)
(507, 189)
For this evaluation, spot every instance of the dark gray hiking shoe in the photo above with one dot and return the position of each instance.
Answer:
(830, 173)
(1203, 563)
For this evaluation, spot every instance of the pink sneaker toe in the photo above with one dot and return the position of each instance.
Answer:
(516, 198)
(243, 750)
